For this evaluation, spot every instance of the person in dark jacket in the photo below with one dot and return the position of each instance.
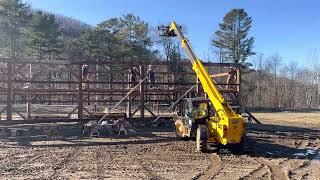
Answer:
(151, 77)
(85, 73)
(133, 76)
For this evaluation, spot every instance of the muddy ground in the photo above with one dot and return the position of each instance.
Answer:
(286, 146)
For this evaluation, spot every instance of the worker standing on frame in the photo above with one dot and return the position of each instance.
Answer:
(133, 74)
(232, 78)
(151, 78)
(85, 73)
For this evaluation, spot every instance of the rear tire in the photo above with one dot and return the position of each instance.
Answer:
(202, 138)
(238, 148)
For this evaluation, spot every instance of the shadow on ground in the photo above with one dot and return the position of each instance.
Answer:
(265, 140)
(278, 141)
(136, 136)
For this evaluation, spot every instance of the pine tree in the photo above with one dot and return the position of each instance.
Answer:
(119, 38)
(102, 42)
(44, 37)
(135, 35)
(14, 16)
(232, 37)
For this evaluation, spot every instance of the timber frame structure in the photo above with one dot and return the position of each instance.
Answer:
(29, 85)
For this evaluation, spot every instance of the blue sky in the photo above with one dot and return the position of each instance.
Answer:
(290, 28)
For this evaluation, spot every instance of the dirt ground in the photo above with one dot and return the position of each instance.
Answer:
(285, 146)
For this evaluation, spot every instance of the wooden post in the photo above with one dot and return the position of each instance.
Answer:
(198, 87)
(171, 86)
(29, 95)
(162, 80)
(9, 94)
(174, 75)
(129, 105)
(88, 98)
(239, 85)
(238, 79)
(110, 87)
(97, 86)
(142, 92)
(28, 98)
(80, 91)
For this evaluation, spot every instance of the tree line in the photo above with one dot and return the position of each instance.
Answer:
(42, 35)
(267, 81)
(276, 83)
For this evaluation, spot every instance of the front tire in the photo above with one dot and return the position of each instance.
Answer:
(239, 148)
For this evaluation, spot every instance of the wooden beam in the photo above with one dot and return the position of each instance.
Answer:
(85, 109)
(80, 91)
(219, 75)
(10, 92)
(114, 92)
(142, 93)
(3, 110)
(252, 116)
(77, 76)
(16, 70)
(135, 110)
(102, 62)
(24, 118)
(150, 111)
(68, 116)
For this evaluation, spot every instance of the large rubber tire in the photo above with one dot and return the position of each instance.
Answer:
(238, 148)
(193, 134)
(177, 131)
(185, 138)
(202, 138)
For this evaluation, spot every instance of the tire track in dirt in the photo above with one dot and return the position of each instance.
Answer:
(64, 162)
(99, 159)
(268, 169)
(301, 171)
(310, 167)
(149, 173)
(288, 164)
(20, 164)
(9, 155)
(30, 160)
(299, 168)
(258, 173)
(276, 170)
(301, 145)
(261, 172)
(236, 166)
(214, 168)
(14, 165)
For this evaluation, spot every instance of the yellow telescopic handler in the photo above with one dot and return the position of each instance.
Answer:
(208, 119)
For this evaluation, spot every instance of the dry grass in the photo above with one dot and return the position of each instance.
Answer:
(291, 118)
